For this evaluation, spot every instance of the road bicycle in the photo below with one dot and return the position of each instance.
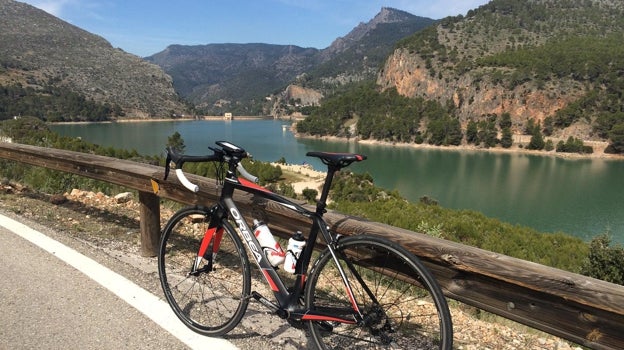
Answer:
(361, 291)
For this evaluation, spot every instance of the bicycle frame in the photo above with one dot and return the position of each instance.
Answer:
(287, 301)
(341, 260)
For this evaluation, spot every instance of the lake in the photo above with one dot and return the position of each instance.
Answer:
(582, 197)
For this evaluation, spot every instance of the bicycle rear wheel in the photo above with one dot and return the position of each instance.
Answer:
(401, 304)
(209, 294)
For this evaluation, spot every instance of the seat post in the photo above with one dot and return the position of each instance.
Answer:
(322, 203)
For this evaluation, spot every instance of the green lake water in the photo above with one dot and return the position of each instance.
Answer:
(582, 197)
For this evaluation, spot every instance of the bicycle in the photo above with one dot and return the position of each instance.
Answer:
(361, 291)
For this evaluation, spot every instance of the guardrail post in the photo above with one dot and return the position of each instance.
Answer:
(150, 223)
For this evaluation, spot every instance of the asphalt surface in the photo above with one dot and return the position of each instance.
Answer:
(107, 300)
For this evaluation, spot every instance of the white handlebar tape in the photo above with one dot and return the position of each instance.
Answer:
(185, 182)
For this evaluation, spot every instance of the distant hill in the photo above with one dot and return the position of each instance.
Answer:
(47, 64)
(232, 75)
(238, 77)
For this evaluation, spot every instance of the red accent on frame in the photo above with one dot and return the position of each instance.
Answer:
(250, 184)
(217, 240)
(326, 318)
(352, 299)
(270, 280)
(303, 279)
(206, 241)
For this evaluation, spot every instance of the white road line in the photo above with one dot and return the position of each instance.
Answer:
(150, 305)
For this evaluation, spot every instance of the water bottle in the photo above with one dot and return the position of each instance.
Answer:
(271, 248)
(295, 246)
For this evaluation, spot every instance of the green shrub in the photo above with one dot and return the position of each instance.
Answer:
(605, 262)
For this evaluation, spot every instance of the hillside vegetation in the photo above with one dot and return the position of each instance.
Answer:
(46, 63)
(553, 67)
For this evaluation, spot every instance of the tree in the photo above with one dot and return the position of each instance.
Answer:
(176, 141)
(505, 121)
(445, 131)
(617, 139)
(309, 194)
(529, 129)
(537, 140)
(472, 132)
(506, 138)
(488, 132)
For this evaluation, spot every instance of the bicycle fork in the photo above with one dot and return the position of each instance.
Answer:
(212, 235)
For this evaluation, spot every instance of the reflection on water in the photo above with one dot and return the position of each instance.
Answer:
(580, 197)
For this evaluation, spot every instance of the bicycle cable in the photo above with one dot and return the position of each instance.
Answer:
(219, 174)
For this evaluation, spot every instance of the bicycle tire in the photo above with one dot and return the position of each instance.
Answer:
(210, 302)
(411, 312)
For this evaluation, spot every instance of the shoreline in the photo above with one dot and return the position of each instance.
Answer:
(159, 120)
(598, 146)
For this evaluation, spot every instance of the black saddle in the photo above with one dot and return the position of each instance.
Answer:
(337, 160)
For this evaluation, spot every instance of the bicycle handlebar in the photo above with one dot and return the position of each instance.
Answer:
(185, 181)
(246, 174)
(229, 153)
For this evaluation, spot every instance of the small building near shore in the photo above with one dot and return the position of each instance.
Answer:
(228, 116)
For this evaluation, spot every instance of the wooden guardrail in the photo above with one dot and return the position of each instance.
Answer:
(584, 310)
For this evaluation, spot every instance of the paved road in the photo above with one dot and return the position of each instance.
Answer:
(46, 303)
(57, 292)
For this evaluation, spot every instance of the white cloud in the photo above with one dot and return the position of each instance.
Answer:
(53, 7)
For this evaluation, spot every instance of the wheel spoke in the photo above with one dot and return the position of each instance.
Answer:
(401, 305)
(212, 299)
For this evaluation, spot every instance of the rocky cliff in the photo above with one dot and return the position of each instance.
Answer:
(473, 96)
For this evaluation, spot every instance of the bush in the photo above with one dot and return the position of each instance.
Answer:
(310, 194)
(574, 145)
(355, 196)
(605, 262)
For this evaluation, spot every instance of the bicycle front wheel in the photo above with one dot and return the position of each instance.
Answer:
(208, 293)
(400, 304)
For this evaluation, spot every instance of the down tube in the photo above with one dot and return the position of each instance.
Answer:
(269, 273)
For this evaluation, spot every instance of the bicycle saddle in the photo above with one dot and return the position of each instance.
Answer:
(337, 160)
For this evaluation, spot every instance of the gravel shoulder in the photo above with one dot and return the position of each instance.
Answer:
(107, 230)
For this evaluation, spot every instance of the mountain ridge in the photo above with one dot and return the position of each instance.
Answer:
(210, 78)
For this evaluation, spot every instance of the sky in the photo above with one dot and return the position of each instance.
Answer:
(146, 27)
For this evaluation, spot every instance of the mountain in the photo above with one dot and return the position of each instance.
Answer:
(241, 77)
(232, 74)
(358, 55)
(42, 56)
(557, 63)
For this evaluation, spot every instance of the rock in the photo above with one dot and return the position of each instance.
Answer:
(58, 199)
(123, 197)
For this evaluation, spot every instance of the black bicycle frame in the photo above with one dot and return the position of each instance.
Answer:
(288, 302)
